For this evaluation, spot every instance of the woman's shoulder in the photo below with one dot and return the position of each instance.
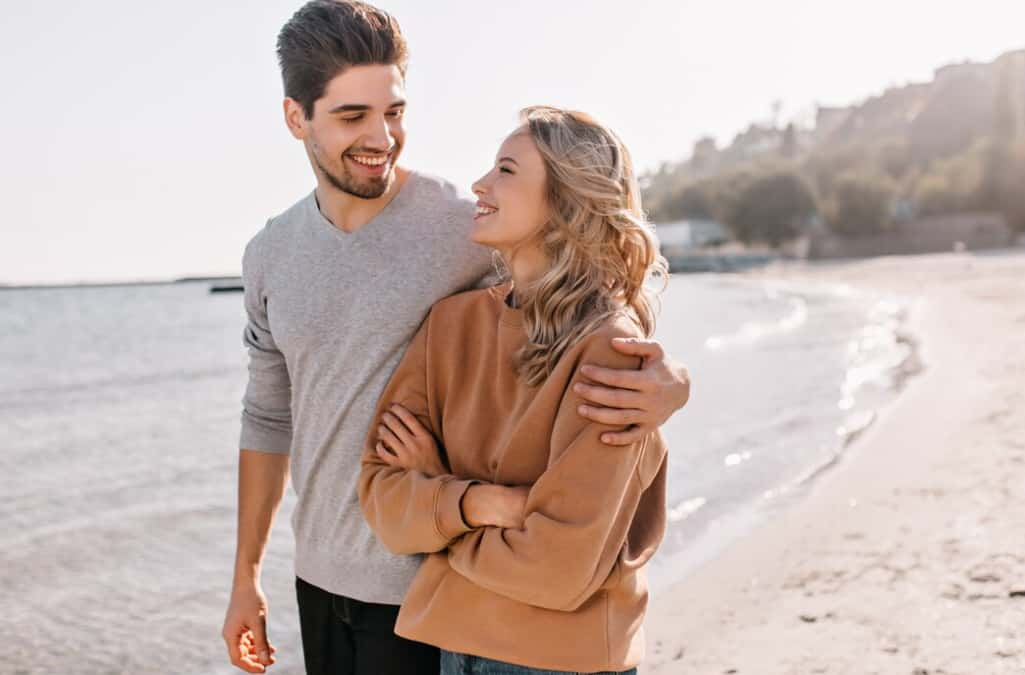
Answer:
(596, 346)
(471, 301)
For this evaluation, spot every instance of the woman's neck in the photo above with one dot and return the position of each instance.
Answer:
(526, 266)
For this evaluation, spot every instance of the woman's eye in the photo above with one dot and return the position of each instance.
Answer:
(505, 170)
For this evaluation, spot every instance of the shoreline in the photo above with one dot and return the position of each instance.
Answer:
(876, 568)
(674, 566)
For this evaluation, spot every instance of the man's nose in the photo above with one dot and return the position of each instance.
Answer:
(380, 137)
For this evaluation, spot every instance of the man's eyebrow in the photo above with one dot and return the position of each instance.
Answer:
(508, 159)
(362, 107)
(349, 107)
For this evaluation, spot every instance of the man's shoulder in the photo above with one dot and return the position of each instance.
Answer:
(280, 227)
(442, 195)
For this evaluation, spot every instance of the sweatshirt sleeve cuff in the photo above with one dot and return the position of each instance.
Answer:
(448, 516)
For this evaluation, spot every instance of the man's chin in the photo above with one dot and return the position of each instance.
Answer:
(366, 189)
(371, 190)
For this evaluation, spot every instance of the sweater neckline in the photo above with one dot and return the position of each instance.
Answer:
(396, 203)
(508, 316)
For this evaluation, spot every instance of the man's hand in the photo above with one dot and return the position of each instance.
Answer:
(496, 505)
(643, 399)
(404, 442)
(245, 629)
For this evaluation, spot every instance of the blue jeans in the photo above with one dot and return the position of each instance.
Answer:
(465, 664)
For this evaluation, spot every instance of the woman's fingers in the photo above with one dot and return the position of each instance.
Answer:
(409, 420)
(395, 425)
(393, 442)
(386, 455)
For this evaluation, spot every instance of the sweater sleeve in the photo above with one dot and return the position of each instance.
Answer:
(267, 403)
(578, 513)
(409, 511)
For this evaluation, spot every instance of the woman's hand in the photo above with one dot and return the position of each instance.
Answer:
(497, 505)
(403, 442)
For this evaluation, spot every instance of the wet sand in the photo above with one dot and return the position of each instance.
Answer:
(908, 556)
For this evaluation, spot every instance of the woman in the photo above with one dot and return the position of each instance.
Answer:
(536, 530)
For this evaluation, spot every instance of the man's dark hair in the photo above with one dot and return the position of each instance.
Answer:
(325, 37)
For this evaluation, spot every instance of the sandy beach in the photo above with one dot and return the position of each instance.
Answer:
(908, 556)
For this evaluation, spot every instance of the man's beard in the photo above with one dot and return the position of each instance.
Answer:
(364, 188)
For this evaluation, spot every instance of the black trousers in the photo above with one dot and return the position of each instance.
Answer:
(343, 636)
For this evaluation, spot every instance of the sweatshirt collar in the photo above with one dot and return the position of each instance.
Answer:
(509, 316)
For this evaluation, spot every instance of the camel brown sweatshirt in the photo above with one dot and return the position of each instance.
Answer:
(565, 592)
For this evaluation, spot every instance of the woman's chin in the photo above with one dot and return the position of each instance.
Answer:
(479, 235)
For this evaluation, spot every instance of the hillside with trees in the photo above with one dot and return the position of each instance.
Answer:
(952, 145)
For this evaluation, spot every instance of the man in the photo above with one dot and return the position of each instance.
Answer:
(335, 287)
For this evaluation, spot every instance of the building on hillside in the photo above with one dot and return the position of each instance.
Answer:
(1014, 63)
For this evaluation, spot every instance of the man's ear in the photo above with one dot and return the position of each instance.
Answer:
(295, 118)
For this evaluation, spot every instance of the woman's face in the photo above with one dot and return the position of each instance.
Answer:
(511, 206)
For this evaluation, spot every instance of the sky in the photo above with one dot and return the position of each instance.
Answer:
(145, 141)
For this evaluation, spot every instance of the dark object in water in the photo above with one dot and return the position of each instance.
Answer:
(226, 288)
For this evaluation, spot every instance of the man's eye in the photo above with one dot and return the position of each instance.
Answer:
(350, 120)
(395, 113)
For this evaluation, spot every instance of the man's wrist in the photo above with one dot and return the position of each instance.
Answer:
(247, 575)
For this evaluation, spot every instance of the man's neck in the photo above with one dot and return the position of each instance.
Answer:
(349, 213)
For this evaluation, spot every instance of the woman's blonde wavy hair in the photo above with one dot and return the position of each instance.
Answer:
(599, 246)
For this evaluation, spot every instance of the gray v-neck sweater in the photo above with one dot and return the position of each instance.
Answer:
(329, 317)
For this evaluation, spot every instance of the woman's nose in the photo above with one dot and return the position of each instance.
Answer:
(479, 186)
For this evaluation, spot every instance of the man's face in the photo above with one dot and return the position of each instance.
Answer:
(356, 133)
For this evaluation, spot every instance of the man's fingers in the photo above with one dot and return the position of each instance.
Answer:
(636, 380)
(241, 651)
(409, 420)
(638, 347)
(260, 647)
(612, 416)
(631, 435)
(234, 650)
(248, 662)
(611, 397)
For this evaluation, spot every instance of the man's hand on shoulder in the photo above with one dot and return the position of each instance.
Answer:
(641, 399)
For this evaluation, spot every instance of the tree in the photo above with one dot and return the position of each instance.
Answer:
(789, 146)
(691, 200)
(860, 203)
(955, 184)
(1011, 187)
(771, 207)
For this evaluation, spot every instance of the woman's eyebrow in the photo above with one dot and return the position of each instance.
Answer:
(508, 159)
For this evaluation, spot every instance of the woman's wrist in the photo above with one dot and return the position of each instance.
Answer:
(485, 504)
(470, 505)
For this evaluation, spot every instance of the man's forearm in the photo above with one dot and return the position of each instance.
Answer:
(262, 478)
